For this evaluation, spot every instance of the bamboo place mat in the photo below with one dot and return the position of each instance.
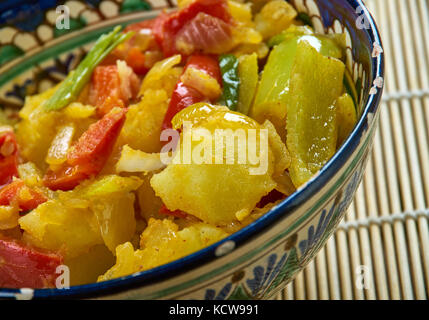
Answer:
(385, 233)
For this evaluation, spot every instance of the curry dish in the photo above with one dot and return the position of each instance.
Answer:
(123, 166)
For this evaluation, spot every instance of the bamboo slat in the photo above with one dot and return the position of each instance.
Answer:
(386, 228)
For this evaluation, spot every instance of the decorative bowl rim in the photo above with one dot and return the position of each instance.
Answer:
(283, 209)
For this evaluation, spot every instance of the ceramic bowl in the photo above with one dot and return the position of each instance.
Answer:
(259, 260)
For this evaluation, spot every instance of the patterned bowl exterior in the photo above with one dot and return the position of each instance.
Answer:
(259, 260)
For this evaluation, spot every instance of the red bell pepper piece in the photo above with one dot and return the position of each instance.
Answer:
(183, 96)
(25, 267)
(8, 157)
(175, 213)
(89, 154)
(173, 23)
(207, 63)
(96, 144)
(67, 177)
(105, 89)
(136, 60)
(17, 192)
(158, 27)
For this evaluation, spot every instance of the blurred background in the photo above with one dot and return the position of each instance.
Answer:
(381, 250)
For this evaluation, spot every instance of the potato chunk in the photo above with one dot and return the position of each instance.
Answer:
(87, 267)
(37, 129)
(142, 127)
(163, 75)
(274, 17)
(149, 203)
(98, 212)
(57, 227)
(9, 216)
(162, 242)
(115, 216)
(223, 187)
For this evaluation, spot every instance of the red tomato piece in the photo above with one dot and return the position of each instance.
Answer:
(175, 22)
(204, 33)
(26, 198)
(89, 154)
(158, 27)
(25, 267)
(8, 157)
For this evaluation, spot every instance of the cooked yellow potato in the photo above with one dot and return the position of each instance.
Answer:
(162, 242)
(149, 203)
(97, 212)
(162, 76)
(241, 12)
(87, 267)
(112, 202)
(78, 110)
(38, 128)
(115, 216)
(142, 127)
(222, 188)
(279, 149)
(55, 226)
(274, 17)
(9, 216)
(110, 185)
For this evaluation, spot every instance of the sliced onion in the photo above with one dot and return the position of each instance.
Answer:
(128, 80)
(202, 81)
(158, 71)
(57, 153)
(138, 161)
